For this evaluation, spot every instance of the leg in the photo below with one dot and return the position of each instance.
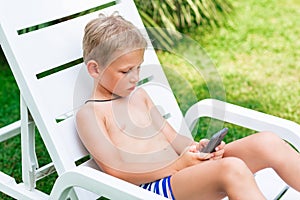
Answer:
(214, 180)
(263, 150)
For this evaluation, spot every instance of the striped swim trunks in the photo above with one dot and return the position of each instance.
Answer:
(161, 187)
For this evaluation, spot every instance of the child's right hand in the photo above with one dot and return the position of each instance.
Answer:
(190, 157)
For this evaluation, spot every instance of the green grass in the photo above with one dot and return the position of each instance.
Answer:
(257, 57)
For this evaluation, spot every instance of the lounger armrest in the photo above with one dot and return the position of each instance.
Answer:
(10, 131)
(258, 121)
(99, 183)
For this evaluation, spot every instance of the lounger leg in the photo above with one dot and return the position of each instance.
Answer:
(29, 160)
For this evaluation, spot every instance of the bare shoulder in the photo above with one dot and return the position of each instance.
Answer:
(140, 91)
(89, 109)
(83, 112)
(142, 94)
(88, 115)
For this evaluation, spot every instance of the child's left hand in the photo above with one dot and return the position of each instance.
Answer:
(218, 154)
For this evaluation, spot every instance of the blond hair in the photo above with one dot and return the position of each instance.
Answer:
(106, 35)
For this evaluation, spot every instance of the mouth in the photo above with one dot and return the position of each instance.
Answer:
(132, 88)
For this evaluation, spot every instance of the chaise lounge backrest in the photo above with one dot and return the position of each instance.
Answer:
(43, 48)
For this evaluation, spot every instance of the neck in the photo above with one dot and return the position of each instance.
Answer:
(102, 100)
(99, 92)
(105, 97)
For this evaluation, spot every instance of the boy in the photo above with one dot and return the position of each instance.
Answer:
(129, 139)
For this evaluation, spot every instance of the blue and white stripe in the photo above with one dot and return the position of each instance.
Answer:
(161, 187)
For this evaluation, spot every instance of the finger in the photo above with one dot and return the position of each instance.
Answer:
(204, 156)
(216, 158)
(203, 143)
(219, 153)
(193, 148)
(198, 146)
(221, 146)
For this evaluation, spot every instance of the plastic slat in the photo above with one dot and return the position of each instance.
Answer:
(37, 12)
(270, 183)
(291, 194)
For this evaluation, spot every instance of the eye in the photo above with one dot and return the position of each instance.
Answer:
(138, 68)
(125, 71)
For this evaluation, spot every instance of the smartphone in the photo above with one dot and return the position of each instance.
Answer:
(214, 141)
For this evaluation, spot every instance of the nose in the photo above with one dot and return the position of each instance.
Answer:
(134, 76)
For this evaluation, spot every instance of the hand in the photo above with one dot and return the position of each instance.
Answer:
(191, 156)
(219, 150)
(195, 148)
(218, 154)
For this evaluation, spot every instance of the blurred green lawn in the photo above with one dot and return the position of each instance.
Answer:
(257, 57)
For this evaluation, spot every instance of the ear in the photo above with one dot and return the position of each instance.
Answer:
(93, 68)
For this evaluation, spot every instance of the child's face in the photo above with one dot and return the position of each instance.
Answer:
(121, 76)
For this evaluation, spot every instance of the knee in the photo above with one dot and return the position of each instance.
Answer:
(268, 136)
(267, 141)
(234, 169)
